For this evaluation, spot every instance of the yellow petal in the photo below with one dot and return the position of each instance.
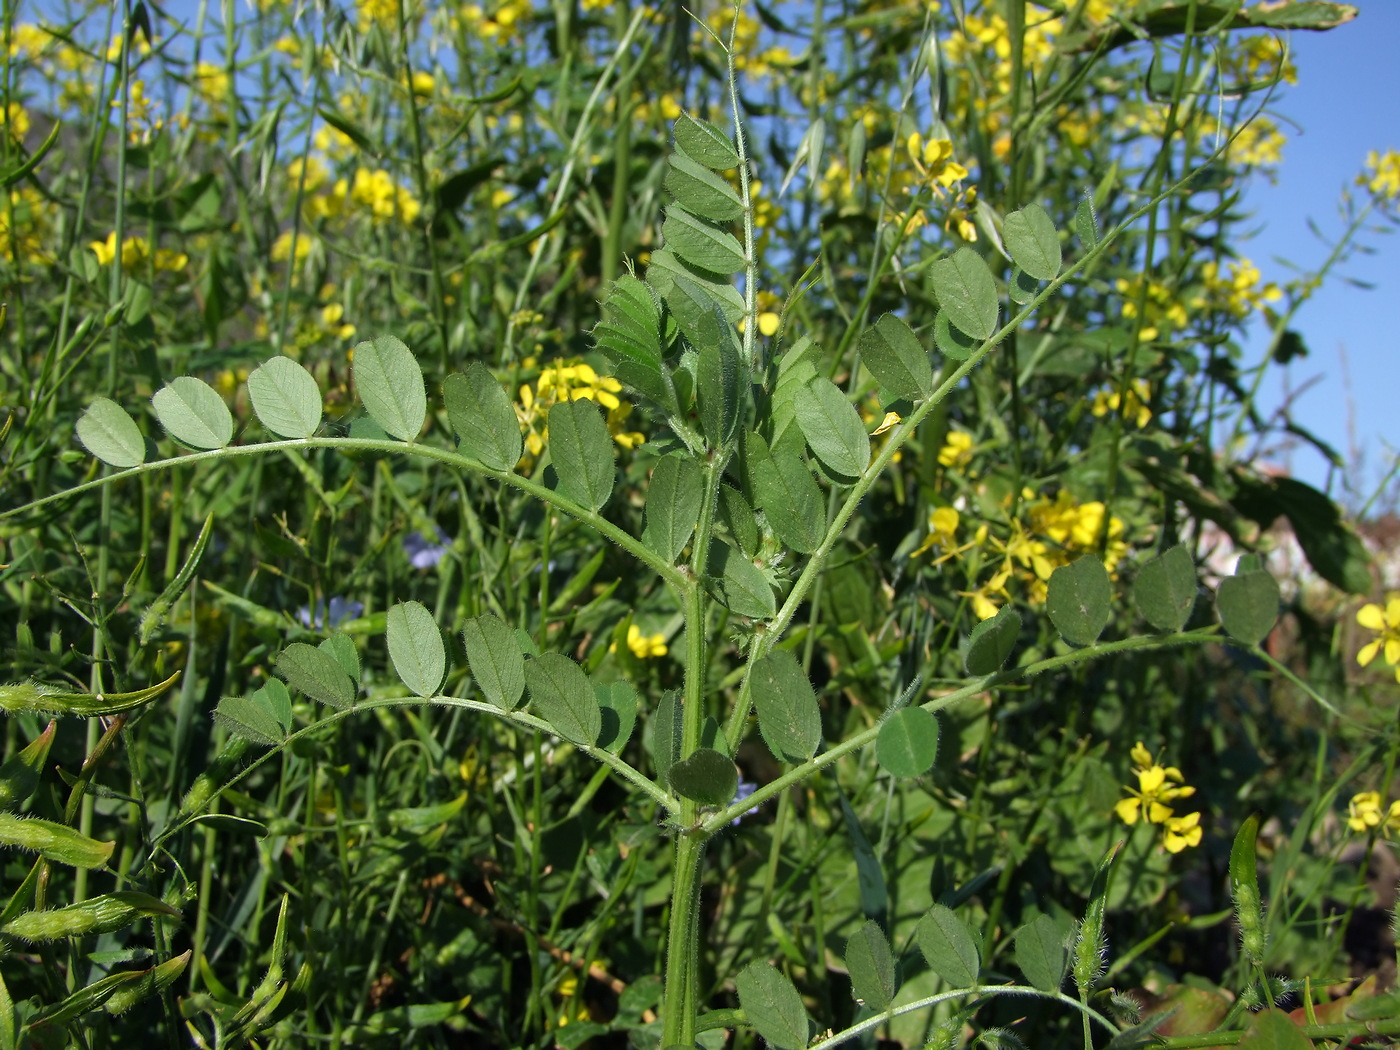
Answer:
(891, 419)
(1392, 612)
(1371, 616)
(1158, 813)
(1127, 810)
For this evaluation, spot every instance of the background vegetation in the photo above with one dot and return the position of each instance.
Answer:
(442, 202)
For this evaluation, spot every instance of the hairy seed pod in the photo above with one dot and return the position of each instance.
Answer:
(104, 914)
(57, 842)
(1090, 947)
(1244, 888)
(19, 775)
(197, 798)
(38, 699)
(1091, 943)
(151, 981)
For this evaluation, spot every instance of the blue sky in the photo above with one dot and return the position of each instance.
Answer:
(1346, 103)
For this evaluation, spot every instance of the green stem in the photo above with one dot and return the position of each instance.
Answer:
(683, 943)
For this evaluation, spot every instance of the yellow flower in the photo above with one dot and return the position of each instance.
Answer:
(135, 252)
(983, 607)
(1364, 811)
(376, 191)
(1386, 623)
(282, 247)
(1382, 174)
(1239, 291)
(570, 381)
(956, 450)
(1106, 401)
(1180, 832)
(643, 647)
(934, 161)
(1157, 787)
(333, 318)
(942, 532)
(891, 420)
(17, 121)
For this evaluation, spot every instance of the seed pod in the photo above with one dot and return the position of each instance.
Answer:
(1091, 944)
(37, 698)
(202, 790)
(104, 914)
(19, 775)
(151, 981)
(1244, 888)
(56, 842)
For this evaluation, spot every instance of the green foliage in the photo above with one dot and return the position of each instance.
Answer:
(788, 715)
(771, 1004)
(286, 398)
(1165, 589)
(1077, 599)
(481, 414)
(908, 742)
(504, 382)
(948, 947)
(562, 695)
(872, 967)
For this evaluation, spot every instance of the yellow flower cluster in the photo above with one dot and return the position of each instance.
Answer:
(1055, 532)
(748, 57)
(1386, 623)
(1238, 291)
(957, 450)
(508, 20)
(643, 646)
(1158, 787)
(1164, 311)
(1139, 393)
(376, 193)
(1259, 144)
(571, 381)
(986, 43)
(1364, 813)
(142, 121)
(136, 251)
(1382, 175)
(17, 121)
(1075, 527)
(934, 161)
(25, 239)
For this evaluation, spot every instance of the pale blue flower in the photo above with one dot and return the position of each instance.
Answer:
(743, 791)
(422, 552)
(326, 617)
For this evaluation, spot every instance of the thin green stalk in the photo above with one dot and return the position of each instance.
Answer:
(683, 942)
(677, 578)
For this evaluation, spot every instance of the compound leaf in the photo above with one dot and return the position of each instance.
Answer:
(1077, 598)
(772, 1006)
(1033, 242)
(966, 292)
(896, 358)
(495, 659)
(908, 742)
